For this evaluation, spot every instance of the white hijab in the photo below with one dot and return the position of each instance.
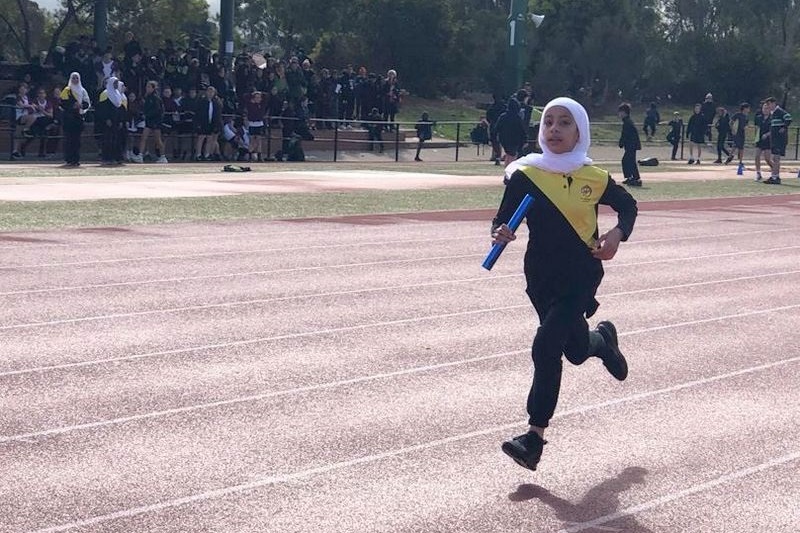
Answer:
(78, 91)
(561, 163)
(113, 93)
(123, 97)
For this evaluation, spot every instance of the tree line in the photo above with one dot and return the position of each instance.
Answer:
(599, 50)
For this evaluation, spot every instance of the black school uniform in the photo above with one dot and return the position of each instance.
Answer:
(562, 274)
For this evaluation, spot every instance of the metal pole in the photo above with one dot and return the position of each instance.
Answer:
(683, 140)
(397, 143)
(458, 138)
(101, 23)
(336, 142)
(796, 143)
(226, 29)
(517, 44)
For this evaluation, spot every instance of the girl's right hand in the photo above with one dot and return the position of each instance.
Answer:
(502, 235)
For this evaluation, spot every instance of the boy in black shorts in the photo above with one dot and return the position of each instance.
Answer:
(779, 136)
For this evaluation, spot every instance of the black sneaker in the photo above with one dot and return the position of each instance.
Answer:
(612, 358)
(635, 183)
(772, 180)
(526, 449)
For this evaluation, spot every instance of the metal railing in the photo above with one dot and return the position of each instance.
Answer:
(337, 136)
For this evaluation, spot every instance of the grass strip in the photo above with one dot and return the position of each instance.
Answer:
(21, 216)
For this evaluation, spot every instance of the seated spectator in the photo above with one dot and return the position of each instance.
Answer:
(24, 116)
(44, 113)
(480, 133)
(237, 138)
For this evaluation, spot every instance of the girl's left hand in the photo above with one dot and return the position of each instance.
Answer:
(607, 245)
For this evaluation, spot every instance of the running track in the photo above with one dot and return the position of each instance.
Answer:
(359, 375)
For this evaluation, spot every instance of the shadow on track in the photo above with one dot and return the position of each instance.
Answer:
(602, 500)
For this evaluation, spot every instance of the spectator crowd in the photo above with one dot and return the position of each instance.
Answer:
(176, 92)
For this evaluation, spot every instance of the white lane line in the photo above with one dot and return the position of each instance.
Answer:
(362, 379)
(279, 249)
(377, 243)
(387, 262)
(358, 327)
(239, 303)
(260, 340)
(256, 397)
(331, 467)
(673, 496)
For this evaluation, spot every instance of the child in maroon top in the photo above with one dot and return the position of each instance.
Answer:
(255, 113)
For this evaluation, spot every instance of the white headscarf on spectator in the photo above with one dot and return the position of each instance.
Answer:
(113, 93)
(561, 163)
(78, 91)
(123, 97)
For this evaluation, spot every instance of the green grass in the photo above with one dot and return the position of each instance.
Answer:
(19, 216)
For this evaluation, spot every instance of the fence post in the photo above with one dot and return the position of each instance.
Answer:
(683, 139)
(13, 122)
(336, 142)
(458, 138)
(269, 139)
(397, 143)
(796, 142)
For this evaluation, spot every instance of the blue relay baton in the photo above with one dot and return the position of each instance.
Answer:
(513, 224)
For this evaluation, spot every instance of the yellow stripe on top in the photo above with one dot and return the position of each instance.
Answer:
(575, 195)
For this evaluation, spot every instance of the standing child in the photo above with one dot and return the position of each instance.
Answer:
(563, 262)
(675, 133)
(762, 141)
(629, 141)
(696, 133)
(738, 126)
(74, 104)
(424, 133)
(779, 121)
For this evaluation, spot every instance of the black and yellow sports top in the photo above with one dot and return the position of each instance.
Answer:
(562, 223)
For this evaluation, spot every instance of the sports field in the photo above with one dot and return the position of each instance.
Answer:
(358, 374)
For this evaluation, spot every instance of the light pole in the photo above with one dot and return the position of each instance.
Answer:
(226, 29)
(101, 24)
(517, 57)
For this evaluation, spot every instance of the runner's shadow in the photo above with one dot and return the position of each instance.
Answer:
(600, 502)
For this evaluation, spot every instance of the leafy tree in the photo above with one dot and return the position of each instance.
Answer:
(22, 26)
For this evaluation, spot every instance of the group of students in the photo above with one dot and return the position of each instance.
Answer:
(771, 121)
(772, 126)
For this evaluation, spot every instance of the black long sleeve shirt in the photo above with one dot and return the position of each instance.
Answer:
(563, 228)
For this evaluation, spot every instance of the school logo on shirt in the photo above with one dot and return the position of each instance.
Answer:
(586, 192)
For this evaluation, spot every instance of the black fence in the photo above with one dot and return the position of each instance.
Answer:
(328, 139)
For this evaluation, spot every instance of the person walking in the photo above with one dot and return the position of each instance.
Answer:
(629, 141)
(723, 127)
(563, 262)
